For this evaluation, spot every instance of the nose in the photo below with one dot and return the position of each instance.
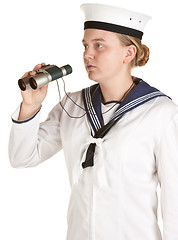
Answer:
(88, 54)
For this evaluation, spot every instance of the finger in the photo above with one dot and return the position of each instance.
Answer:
(38, 66)
(32, 73)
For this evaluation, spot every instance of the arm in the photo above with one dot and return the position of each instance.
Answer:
(31, 142)
(167, 160)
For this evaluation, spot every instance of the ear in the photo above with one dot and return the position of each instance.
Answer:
(131, 51)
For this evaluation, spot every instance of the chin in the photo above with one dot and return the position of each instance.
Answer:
(94, 78)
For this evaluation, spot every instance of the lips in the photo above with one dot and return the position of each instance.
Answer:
(90, 67)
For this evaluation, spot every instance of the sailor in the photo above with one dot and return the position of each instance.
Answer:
(119, 136)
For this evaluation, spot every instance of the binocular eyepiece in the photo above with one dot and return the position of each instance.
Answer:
(43, 76)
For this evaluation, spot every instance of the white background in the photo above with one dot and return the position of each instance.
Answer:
(33, 202)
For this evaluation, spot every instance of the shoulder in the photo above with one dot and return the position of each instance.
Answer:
(72, 101)
(79, 95)
(71, 98)
(161, 111)
(165, 106)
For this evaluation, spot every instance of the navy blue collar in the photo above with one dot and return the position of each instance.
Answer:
(92, 98)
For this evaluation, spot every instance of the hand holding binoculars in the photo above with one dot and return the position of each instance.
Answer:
(43, 76)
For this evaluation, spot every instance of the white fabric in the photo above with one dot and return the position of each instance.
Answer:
(108, 111)
(115, 15)
(116, 198)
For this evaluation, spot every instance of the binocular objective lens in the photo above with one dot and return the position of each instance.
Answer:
(22, 85)
(33, 83)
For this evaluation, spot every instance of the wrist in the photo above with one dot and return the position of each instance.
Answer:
(27, 111)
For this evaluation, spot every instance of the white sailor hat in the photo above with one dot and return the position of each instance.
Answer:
(114, 19)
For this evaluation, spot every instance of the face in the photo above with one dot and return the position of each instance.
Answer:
(103, 55)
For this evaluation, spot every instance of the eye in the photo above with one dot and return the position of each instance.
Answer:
(99, 45)
(85, 46)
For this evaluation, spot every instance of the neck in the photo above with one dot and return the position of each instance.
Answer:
(114, 90)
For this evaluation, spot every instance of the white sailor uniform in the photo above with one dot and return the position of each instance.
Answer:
(113, 190)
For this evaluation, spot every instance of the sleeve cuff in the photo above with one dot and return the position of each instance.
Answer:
(16, 114)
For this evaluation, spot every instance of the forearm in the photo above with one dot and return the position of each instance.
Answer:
(23, 142)
(31, 142)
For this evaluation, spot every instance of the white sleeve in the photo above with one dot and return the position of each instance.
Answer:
(167, 158)
(32, 142)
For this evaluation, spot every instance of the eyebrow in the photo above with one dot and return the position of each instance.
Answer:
(95, 40)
